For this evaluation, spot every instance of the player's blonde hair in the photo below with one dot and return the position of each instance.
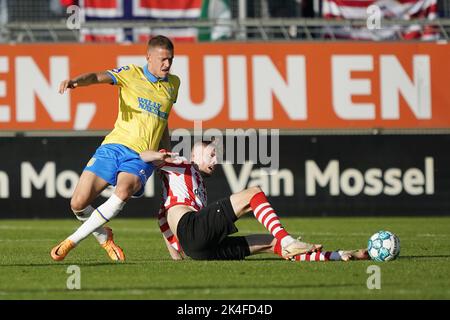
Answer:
(160, 42)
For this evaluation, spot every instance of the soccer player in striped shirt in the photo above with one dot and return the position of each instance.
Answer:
(146, 96)
(202, 231)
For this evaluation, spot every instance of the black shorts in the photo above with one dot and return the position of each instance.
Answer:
(203, 235)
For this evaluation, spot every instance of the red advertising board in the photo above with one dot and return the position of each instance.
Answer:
(239, 85)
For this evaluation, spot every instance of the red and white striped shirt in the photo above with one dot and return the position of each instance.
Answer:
(182, 185)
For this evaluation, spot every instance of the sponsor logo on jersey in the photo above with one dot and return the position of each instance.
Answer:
(152, 107)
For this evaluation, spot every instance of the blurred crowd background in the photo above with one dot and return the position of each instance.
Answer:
(205, 20)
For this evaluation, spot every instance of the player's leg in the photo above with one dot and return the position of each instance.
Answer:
(260, 243)
(200, 233)
(265, 243)
(254, 199)
(99, 172)
(237, 248)
(127, 185)
(338, 255)
(87, 190)
(132, 174)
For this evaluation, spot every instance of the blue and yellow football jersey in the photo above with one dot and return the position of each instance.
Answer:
(145, 102)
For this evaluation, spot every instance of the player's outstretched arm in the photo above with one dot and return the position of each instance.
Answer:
(157, 157)
(85, 79)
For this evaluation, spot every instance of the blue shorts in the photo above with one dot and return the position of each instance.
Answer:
(110, 159)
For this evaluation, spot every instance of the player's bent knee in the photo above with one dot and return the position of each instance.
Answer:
(126, 190)
(78, 203)
(254, 190)
(124, 193)
(248, 193)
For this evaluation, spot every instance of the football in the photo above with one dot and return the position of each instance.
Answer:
(384, 246)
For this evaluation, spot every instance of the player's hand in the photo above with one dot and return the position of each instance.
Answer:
(67, 84)
(178, 255)
(171, 157)
(157, 156)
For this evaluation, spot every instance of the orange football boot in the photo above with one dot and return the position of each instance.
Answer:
(114, 251)
(59, 252)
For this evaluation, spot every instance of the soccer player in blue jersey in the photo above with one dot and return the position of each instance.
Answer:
(146, 96)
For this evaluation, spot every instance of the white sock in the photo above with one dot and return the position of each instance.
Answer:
(287, 240)
(108, 210)
(336, 255)
(84, 214)
(100, 233)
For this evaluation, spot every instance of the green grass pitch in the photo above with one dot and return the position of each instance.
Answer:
(421, 272)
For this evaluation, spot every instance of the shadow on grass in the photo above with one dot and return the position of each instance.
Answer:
(189, 260)
(425, 257)
(188, 289)
(85, 263)
(80, 264)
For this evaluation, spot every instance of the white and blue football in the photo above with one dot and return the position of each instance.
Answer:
(384, 246)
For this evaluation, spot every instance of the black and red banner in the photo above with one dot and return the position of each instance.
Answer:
(312, 175)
